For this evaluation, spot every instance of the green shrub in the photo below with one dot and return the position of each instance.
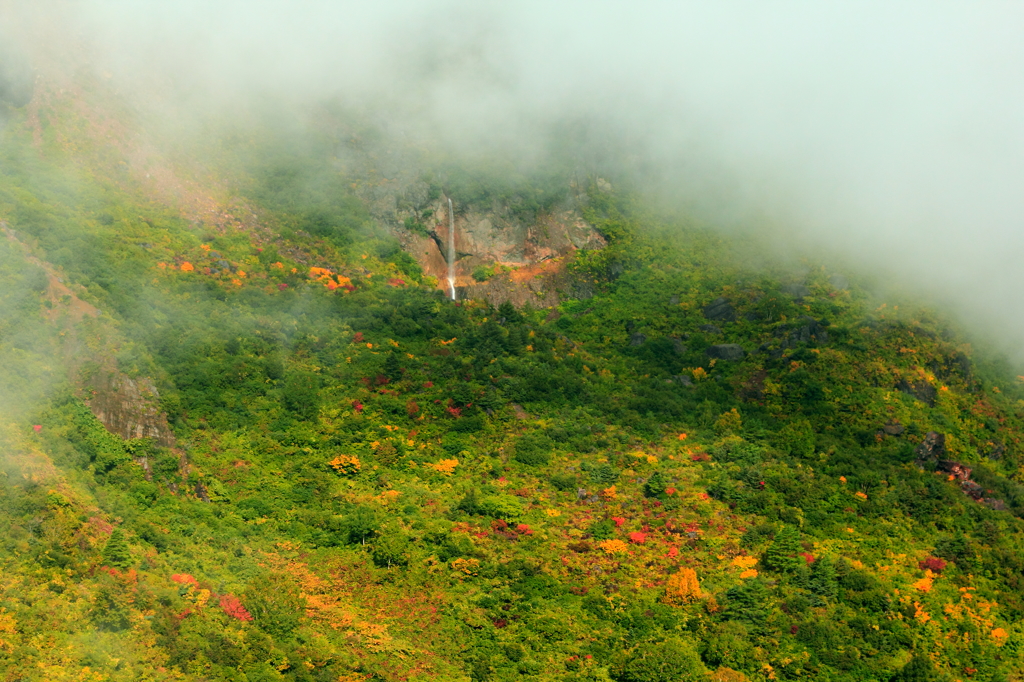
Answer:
(673, 660)
(655, 486)
(784, 552)
(565, 482)
(116, 553)
(504, 507)
(391, 548)
(795, 438)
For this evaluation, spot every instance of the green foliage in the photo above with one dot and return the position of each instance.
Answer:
(795, 438)
(359, 525)
(501, 507)
(533, 450)
(275, 604)
(823, 577)
(918, 669)
(565, 482)
(116, 553)
(655, 486)
(459, 545)
(600, 474)
(392, 548)
(300, 394)
(783, 554)
(749, 603)
(482, 273)
(667, 661)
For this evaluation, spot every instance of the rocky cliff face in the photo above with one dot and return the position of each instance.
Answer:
(128, 407)
(501, 253)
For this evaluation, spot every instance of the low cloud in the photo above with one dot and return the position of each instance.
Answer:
(892, 134)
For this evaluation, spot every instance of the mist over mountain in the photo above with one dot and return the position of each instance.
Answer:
(889, 134)
(472, 342)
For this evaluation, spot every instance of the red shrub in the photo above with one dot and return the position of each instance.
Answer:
(234, 608)
(638, 538)
(932, 563)
(185, 579)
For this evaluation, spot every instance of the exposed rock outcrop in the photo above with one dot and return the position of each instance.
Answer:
(720, 309)
(933, 447)
(921, 390)
(500, 256)
(893, 429)
(128, 407)
(725, 351)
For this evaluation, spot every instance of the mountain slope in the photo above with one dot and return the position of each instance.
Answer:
(702, 465)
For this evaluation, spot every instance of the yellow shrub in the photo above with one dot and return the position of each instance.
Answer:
(744, 562)
(346, 465)
(613, 546)
(925, 583)
(445, 466)
(729, 422)
(682, 587)
(465, 566)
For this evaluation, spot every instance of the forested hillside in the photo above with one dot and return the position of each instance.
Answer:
(702, 464)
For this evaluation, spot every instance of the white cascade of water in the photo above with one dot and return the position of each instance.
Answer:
(451, 250)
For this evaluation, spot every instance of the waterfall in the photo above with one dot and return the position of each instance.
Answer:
(451, 250)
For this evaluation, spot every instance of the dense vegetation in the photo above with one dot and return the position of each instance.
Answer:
(707, 470)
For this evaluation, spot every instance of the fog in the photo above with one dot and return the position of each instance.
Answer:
(892, 134)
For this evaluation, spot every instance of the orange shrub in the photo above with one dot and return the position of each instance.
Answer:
(682, 587)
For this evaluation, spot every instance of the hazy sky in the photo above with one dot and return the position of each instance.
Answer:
(893, 132)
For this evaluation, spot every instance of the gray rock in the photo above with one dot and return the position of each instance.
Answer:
(839, 282)
(993, 503)
(710, 329)
(973, 490)
(725, 351)
(674, 300)
(683, 380)
(796, 290)
(894, 428)
(720, 309)
(921, 390)
(933, 447)
(678, 347)
(637, 339)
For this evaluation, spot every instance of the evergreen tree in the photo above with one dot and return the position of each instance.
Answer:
(508, 313)
(783, 554)
(673, 660)
(655, 486)
(823, 577)
(749, 602)
(392, 367)
(516, 340)
(919, 669)
(490, 339)
(391, 548)
(116, 554)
